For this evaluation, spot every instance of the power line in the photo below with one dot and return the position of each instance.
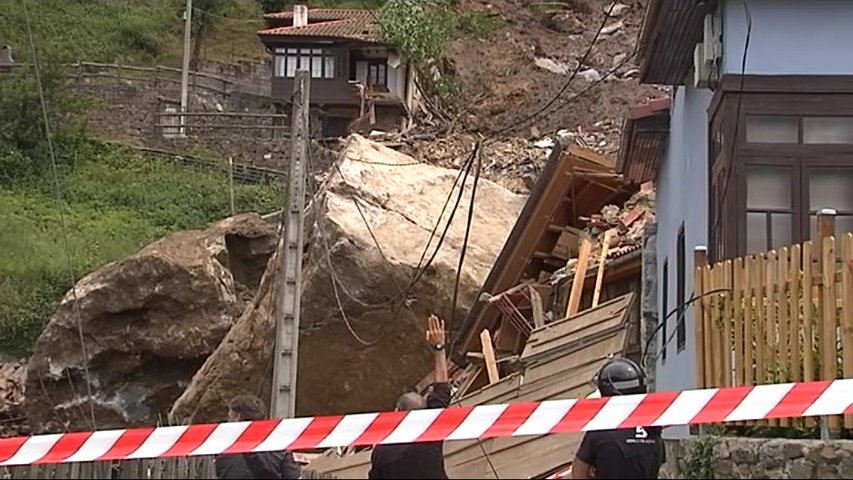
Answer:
(733, 150)
(61, 205)
(569, 81)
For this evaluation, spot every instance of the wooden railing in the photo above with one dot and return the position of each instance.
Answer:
(780, 316)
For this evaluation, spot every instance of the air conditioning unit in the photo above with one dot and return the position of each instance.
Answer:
(706, 54)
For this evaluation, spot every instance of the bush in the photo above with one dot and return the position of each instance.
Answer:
(479, 25)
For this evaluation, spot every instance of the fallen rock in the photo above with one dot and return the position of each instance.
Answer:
(149, 322)
(567, 23)
(616, 9)
(13, 377)
(362, 363)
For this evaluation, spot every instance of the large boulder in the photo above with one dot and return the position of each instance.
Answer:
(149, 322)
(363, 361)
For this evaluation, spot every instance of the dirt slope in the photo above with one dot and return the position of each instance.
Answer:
(503, 85)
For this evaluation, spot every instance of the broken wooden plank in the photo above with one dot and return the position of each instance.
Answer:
(580, 275)
(536, 304)
(489, 356)
(602, 261)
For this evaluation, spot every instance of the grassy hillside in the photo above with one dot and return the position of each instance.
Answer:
(117, 203)
(140, 30)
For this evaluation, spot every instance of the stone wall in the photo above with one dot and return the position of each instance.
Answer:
(125, 109)
(766, 458)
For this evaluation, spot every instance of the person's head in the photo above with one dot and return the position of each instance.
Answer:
(620, 376)
(246, 407)
(410, 401)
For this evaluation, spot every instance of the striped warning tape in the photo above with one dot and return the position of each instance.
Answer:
(456, 423)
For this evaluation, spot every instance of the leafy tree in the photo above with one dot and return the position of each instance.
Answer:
(420, 29)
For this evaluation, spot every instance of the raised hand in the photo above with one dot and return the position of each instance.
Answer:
(435, 331)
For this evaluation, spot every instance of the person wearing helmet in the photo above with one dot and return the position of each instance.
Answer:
(635, 453)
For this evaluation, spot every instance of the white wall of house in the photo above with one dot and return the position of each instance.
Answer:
(682, 199)
(789, 37)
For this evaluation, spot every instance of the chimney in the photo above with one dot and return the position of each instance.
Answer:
(300, 15)
(6, 57)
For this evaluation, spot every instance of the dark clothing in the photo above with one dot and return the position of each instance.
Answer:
(249, 466)
(628, 453)
(413, 460)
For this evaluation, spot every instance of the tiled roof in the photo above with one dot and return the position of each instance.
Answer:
(650, 107)
(330, 23)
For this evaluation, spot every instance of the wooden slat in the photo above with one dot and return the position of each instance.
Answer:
(726, 339)
(783, 365)
(847, 310)
(707, 320)
(580, 275)
(760, 342)
(489, 356)
(717, 360)
(828, 335)
(795, 293)
(700, 259)
(739, 285)
(750, 276)
(602, 261)
(808, 318)
(769, 299)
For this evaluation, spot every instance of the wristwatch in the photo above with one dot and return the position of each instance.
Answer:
(438, 347)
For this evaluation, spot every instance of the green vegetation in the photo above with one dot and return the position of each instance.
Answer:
(701, 462)
(419, 28)
(116, 202)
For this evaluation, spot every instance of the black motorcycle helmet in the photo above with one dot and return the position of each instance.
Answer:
(620, 376)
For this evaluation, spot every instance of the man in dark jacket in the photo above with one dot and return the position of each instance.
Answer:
(418, 460)
(248, 466)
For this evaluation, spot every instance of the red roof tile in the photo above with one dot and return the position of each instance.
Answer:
(334, 23)
(649, 108)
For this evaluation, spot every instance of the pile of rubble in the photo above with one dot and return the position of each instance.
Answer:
(626, 224)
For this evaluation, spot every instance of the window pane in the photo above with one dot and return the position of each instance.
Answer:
(316, 67)
(279, 65)
(756, 232)
(844, 224)
(781, 226)
(771, 129)
(828, 130)
(768, 188)
(291, 66)
(831, 188)
(330, 67)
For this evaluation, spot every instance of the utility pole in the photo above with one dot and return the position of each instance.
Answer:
(185, 71)
(283, 404)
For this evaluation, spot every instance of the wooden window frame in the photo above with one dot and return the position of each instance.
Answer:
(380, 66)
(799, 96)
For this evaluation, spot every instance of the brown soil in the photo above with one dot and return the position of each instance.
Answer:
(502, 85)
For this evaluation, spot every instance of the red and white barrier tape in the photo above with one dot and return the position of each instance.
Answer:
(456, 423)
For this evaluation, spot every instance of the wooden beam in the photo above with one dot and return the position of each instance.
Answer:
(580, 275)
(602, 261)
(489, 356)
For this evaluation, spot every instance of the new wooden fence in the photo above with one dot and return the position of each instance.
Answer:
(780, 316)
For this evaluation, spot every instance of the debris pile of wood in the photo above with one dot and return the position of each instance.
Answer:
(612, 233)
(13, 421)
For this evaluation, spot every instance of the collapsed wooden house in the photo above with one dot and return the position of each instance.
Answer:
(550, 313)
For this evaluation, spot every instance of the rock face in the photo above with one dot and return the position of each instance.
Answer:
(149, 322)
(364, 362)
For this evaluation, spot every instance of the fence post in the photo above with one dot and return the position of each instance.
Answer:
(700, 260)
(826, 267)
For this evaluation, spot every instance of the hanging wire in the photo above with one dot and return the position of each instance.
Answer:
(61, 204)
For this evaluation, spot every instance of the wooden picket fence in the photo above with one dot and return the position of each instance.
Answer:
(779, 316)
